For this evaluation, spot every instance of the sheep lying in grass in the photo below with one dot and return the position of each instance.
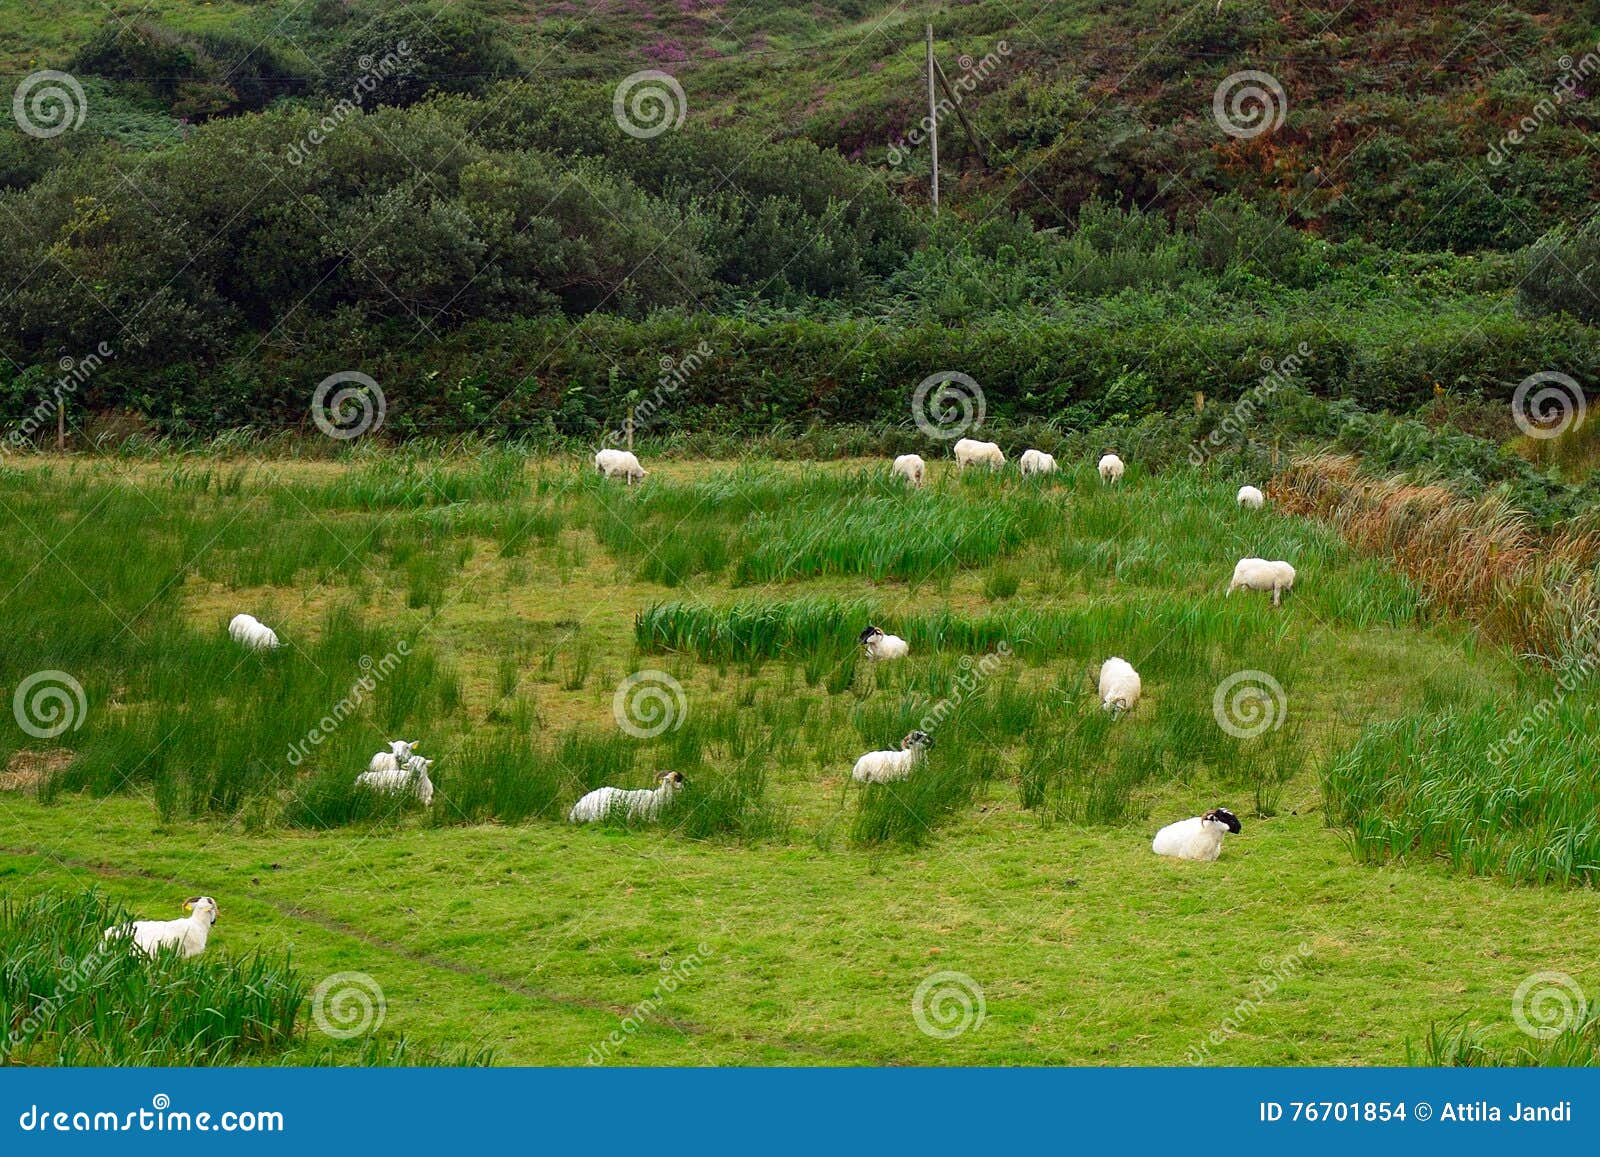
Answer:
(887, 766)
(1036, 462)
(1251, 498)
(1119, 685)
(1111, 469)
(1257, 574)
(971, 452)
(1199, 838)
(620, 464)
(399, 751)
(187, 935)
(251, 632)
(910, 467)
(636, 805)
(882, 646)
(411, 777)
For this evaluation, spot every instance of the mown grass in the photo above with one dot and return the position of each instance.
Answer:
(534, 616)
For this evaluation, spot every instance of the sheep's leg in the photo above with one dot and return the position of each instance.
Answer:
(1277, 596)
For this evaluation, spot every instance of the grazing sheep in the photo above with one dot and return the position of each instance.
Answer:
(882, 646)
(886, 766)
(1119, 685)
(411, 777)
(636, 805)
(399, 751)
(1257, 574)
(910, 467)
(187, 935)
(251, 632)
(1037, 462)
(1199, 838)
(969, 451)
(1111, 469)
(1251, 498)
(620, 464)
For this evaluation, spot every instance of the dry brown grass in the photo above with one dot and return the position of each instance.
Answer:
(25, 770)
(1477, 559)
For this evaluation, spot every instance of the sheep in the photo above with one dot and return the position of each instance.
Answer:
(620, 464)
(399, 751)
(187, 935)
(1037, 462)
(886, 766)
(970, 451)
(910, 467)
(636, 805)
(1251, 498)
(1111, 469)
(411, 776)
(882, 646)
(1119, 685)
(1199, 838)
(1257, 574)
(251, 632)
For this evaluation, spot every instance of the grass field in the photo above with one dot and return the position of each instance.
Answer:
(780, 913)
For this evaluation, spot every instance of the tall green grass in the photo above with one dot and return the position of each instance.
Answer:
(68, 997)
(1498, 788)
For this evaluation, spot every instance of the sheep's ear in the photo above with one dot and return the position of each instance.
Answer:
(188, 905)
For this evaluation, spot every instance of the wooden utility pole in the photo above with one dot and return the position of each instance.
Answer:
(933, 119)
(630, 429)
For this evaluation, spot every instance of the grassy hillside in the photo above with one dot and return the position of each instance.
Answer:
(493, 609)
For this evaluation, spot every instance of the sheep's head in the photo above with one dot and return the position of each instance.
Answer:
(917, 741)
(1117, 705)
(1221, 815)
(672, 780)
(203, 906)
(402, 748)
(870, 634)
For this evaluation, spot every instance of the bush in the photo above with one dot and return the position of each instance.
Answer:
(1563, 272)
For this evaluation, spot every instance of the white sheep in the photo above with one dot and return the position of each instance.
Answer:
(399, 751)
(1111, 469)
(411, 776)
(620, 464)
(970, 452)
(1037, 462)
(1119, 685)
(187, 935)
(1257, 574)
(636, 805)
(886, 766)
(910, 467)
(251, 632)
(1251, 498)
(882, 646)
(1198, 838)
